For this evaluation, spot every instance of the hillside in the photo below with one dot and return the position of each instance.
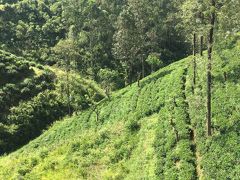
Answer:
(155, 131)
(33, 96)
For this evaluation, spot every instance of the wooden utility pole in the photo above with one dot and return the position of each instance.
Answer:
(201, 45)
(194, 60)
(209, 67)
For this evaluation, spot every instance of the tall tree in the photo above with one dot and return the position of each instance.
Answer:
(209, 67)
(67, 52)
(126, 44)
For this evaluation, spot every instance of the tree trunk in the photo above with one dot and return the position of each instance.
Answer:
(68, 88)
(130, 74)
(139, 77)
(209, 69)
(194, 60)
(97, 112)
(174, 130)
(225, 76)
(201, 45)
(143, 68)
(126, 77)
(107, 91)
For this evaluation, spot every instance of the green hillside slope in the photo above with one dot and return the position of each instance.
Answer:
(155, 131)
(33, 96)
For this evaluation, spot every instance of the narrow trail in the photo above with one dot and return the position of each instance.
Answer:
(192, 133)
(197, 157)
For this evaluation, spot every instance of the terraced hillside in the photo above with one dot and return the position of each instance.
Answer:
(155, 131)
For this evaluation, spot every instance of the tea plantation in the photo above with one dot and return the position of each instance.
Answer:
(152, 131)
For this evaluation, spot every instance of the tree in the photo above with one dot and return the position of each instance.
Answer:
(194, 60)
(127, 43)
(154, 61)
(228, 13)
(193, 18)
(94, 34)
(108, 78)
(66, 50)
(209, 67)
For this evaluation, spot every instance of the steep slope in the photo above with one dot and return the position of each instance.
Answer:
(155, 131)
(19, 83)
(33, 96)
(218, 156)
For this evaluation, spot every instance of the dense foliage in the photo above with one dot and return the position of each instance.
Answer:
(29, 118)
(12, 68)
(117, 35)
(32, 97)
(28, 28)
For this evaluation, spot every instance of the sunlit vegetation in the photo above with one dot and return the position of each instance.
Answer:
(119, 89)
(154, 131)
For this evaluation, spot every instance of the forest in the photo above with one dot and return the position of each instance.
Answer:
(119, 89)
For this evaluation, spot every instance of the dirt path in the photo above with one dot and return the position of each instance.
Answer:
(193, 134)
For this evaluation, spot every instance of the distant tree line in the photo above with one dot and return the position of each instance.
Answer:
(112, 35)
